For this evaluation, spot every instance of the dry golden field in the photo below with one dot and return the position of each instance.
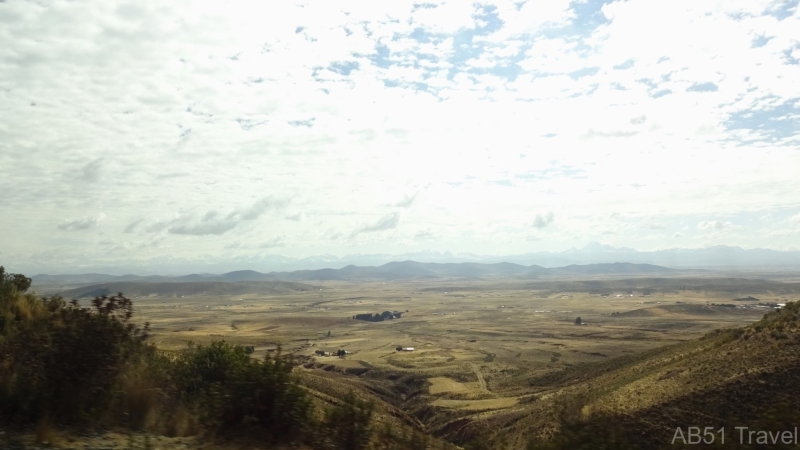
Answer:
(476, 342)
(499, 357)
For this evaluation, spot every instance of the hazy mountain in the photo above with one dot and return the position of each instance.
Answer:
(93, 278)
(612, 268)
(717, 257)
(411, 269)
(168, 289)
(720, 256)
(390, 271)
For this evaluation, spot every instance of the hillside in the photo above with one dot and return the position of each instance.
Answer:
(171, 289)
(729, 378)
(611, 268)
(391, 271)
(662, 284)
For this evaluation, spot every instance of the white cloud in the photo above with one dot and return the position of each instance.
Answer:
(714, 225)
(386, 222)
(277, 241)
(297, 217)
(214, 222)
(83, 223)
(407, 201)
(531, 16)
(543, 220)
(198, 124)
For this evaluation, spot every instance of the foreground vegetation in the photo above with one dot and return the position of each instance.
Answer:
(63, 365)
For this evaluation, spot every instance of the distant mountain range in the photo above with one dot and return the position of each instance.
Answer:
(389, 271)
(177, 288)
(717, 257)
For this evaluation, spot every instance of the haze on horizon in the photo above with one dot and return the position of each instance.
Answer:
(205, 131)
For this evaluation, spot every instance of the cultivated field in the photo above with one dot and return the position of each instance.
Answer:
(498, 356)
(477, 343)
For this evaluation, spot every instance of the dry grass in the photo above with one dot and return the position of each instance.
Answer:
(45, 433)
(509, 335)
(441, 385)
(141, 395)
(180, 423)
(477, 405)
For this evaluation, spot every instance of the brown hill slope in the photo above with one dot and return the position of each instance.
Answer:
(732, 378)
(168, 289)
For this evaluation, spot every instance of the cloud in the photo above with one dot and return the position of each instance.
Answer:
(386, 222)
(277, 241)
(424, 234)
(714, 225)
(406, 201)
(205, 227)
(159, 225)
(91, 172)
(296, 217)
(652, 222)
(608, 134)
(702, 87)
(568, 103)
(83, 223)
(639, 120)
(302, 123)
(131, 227)
(260, 207)
(217, 223)
(541, 221)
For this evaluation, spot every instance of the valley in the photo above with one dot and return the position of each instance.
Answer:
(485, 350)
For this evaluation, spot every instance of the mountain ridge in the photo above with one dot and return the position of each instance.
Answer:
(713, 257)
(390, 271)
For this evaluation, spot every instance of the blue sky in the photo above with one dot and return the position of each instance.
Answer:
(139, 131)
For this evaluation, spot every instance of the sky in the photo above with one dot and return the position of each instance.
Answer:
(137, 132)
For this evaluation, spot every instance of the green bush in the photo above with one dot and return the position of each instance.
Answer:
(237, 394)
(58, 359)
(205, 367)
(347, 426)
(65, 364)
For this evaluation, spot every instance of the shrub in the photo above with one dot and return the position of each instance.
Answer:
(202, 368)
(60, 360)
(386, 438)
(66, 364)
(347, 426)
(238, 394)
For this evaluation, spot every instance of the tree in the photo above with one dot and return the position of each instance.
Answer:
(62, 360)
(578, 321)
(239, 395)
(347, 426)
(15, 281)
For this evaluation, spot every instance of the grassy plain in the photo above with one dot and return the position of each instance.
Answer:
(476, 342)
(498, 354)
